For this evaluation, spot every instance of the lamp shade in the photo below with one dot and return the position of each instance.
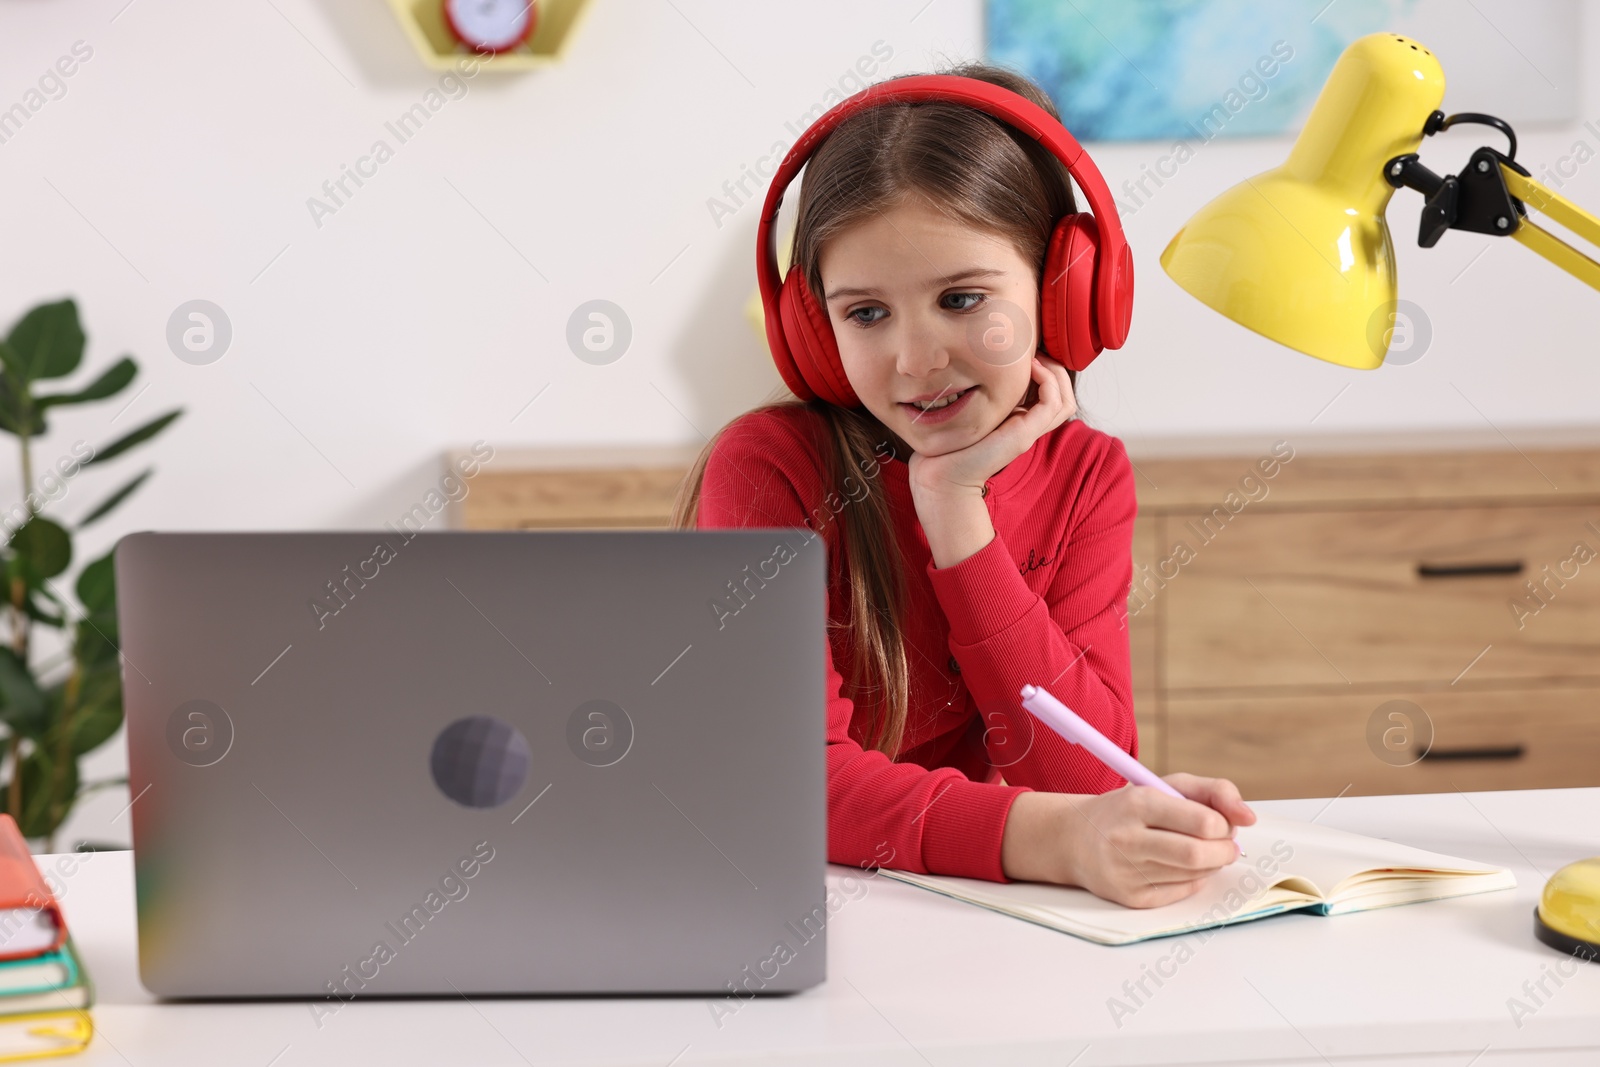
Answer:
(1302, 253)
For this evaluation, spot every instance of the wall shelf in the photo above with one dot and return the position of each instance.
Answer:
(424, 24)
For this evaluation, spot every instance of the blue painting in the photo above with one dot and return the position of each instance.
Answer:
(1161, 69)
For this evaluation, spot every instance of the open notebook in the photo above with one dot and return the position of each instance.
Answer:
(1289, 865)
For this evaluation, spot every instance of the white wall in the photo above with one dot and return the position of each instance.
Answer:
(431, 307)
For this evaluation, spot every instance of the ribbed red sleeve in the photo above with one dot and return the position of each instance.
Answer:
(1073, 641)
(763, 472)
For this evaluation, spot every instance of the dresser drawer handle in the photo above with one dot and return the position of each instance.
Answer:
(1462, 570)
(1504, 752)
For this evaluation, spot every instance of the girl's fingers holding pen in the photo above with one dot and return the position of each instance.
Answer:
(1183, 816)
(1163, 873)
(1188, 855)
(1115, 844)
(1217, 793)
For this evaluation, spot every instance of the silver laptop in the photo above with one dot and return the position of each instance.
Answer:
(367, 763)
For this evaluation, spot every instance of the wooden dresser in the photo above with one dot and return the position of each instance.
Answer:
(1397, 614)
(594, 488)
(1370, 618)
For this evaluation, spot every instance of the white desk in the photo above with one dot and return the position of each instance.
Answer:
(917, 979)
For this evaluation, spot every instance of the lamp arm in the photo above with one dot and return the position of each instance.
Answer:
(1537, 239)
(1489, 195)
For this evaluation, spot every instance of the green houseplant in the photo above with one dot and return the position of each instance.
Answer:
(55, 711)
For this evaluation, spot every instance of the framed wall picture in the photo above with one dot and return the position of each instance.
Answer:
(1138, 70)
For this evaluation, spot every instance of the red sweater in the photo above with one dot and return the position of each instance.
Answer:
(1045, 602)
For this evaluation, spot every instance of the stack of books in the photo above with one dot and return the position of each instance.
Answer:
(44, 989)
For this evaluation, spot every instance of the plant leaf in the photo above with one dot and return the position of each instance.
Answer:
(47, 342)
(99, 510)
(95, 640)
(44, 591)
(37, 594)
(97, 586)
(37, 610)
(22, 705)
(112, 382)
(16, 413)
(44, 544)
(99, 711)
(38, 809)
(132, 438)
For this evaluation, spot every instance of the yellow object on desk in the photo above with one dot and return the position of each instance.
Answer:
(1568, 915)
(38, 1035)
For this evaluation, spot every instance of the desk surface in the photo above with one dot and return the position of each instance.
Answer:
(916, 978)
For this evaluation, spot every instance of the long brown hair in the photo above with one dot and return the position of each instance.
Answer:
(991, 177)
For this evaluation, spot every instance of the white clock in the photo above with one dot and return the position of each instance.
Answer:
(491, 25)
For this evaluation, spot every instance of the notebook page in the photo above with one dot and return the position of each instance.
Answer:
(1418, 888)
(1286, 864)
(40, 972)
(1256, 885)
(1337, 860)
(25, 931)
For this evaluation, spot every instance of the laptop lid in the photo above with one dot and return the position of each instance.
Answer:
(366, 763)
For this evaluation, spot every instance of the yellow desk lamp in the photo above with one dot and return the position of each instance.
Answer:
(1301, 254)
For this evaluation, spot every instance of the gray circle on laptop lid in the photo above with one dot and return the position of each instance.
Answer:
(480, 761)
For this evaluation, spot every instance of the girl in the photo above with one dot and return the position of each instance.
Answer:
(979, 536)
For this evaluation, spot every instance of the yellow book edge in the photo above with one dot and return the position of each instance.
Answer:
(72, 1029)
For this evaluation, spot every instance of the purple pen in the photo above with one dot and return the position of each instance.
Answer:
(1066, 722)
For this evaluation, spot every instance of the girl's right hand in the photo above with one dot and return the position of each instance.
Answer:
(1136, 845)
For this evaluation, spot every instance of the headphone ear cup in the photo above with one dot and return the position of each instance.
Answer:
(812, 345)
(1070, 328)
(779, 345)
(1114, 302)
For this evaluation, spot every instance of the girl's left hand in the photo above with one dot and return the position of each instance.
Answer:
(967, 469)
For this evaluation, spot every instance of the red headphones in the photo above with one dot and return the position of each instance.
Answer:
(1087, 288)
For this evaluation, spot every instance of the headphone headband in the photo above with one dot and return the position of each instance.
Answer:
(1113, 312)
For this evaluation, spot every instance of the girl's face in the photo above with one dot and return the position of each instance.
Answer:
(925, 308)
